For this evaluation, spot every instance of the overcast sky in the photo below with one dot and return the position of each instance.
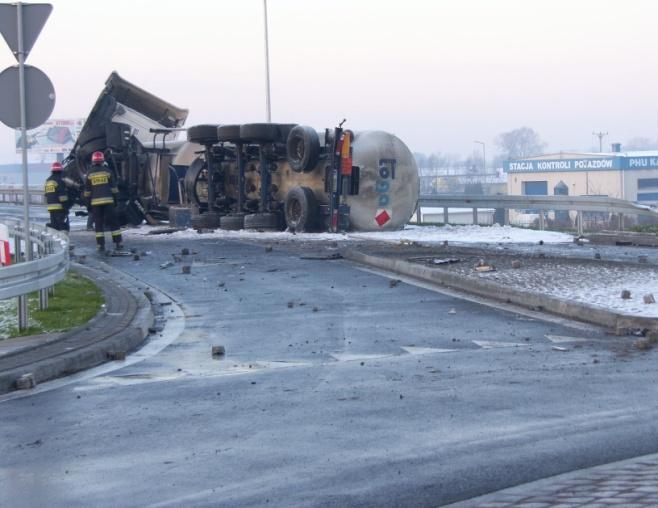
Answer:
(438, 73)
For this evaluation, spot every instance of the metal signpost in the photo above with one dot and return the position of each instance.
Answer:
(27, 97)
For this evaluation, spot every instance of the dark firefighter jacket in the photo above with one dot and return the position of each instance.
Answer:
(100, 186)
(57, 197)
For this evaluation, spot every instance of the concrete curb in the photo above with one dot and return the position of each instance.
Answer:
(621, 324)
(88, 350)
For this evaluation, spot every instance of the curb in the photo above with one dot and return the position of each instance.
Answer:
(121, 327)
(621, 324)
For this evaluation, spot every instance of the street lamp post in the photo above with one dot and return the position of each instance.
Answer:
(484, 156)
(267, 68)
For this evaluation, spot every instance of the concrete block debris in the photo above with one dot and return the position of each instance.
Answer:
(117, 356)
(186, 269)
(625, 294)
(218, 351)
(26, 381)
(649, 298)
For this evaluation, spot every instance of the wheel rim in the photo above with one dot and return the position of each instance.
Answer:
(294, 211)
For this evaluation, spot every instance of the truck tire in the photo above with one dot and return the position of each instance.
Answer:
(232, 222)
(259, 132)
(208, 220)
(301, 210)
(203, 134)
(229, 133)
(265, 221)
(303, 148)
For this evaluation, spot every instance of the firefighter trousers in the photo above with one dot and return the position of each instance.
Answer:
(59, 220)
(105, 218)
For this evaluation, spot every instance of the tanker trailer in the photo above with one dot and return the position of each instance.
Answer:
(271, 176)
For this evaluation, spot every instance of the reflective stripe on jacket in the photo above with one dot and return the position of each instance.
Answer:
(55, 192)
(100, 186)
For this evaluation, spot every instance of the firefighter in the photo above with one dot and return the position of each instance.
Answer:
(57, 199)
(101, 192)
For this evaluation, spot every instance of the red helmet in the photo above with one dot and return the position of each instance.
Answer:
(56, 167)
(97, 158)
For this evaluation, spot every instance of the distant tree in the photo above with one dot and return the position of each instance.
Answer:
(639, 143)
(520, 143)
(421, 159)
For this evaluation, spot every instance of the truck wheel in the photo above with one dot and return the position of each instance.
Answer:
(232, 222)
(229, 133)
(265, 221)
(259, 132)
(303, 148)
(203, 134)
(208, 220)
(301, 210)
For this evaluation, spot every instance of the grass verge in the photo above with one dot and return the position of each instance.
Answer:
(76, 301)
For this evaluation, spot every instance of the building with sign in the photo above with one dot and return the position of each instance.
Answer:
(627, 175)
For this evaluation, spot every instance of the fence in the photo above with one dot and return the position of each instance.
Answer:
(540, 205)
(14, 194)
(49, 264)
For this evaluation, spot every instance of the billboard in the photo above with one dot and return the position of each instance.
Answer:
(54, 136)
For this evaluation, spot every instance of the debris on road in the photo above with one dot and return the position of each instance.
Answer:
(26, 381)
(218, 351)
(186, 269)
(393, 283)
(452, 311)
(185, 251)
(166, 264)
(484, 267)
(649, 298)
(322, 257)
(625, 294)
(559, 348)
(447, 261)
(516, 263)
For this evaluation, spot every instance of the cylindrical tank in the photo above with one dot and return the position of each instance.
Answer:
(388, 182)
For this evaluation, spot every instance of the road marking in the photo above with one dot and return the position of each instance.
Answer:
(413, 350)
(347, 357)
(564, 338)
(490, 344)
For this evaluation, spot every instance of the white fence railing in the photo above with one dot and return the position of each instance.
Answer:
(542, 204)
(49, 264)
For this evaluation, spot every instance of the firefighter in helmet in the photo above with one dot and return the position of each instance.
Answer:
(57, 199)
(101, 192)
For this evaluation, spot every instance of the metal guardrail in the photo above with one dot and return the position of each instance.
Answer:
(49, 264)
(541, 203)
(14, 194)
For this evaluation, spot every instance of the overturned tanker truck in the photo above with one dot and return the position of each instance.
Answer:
(264, 176)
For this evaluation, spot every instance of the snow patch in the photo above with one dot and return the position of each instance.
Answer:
(411, 233)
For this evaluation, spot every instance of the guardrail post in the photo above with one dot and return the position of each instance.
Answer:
(506, 217)
(475, 216)
(418, 214)
(17, 248)
(22, 312)
(621, 222)
(579, 220)
(446, 216)
(542, 224)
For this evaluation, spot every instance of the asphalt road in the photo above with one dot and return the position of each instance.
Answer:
(338, 389)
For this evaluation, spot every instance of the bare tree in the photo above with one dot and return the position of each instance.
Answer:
(520, 143)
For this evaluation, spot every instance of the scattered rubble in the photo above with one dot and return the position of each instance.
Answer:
(625, 294)
(649, 298)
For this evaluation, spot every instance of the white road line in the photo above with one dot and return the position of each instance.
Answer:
(564, 338)
(413, 350)
(492, 344)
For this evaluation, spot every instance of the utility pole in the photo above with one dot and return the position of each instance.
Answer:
(267, 68)
(600, 135)
(484, 156)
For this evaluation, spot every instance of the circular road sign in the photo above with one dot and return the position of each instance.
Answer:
(39, 97)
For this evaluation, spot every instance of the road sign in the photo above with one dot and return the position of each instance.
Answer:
(34, 17)
(38, 89)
